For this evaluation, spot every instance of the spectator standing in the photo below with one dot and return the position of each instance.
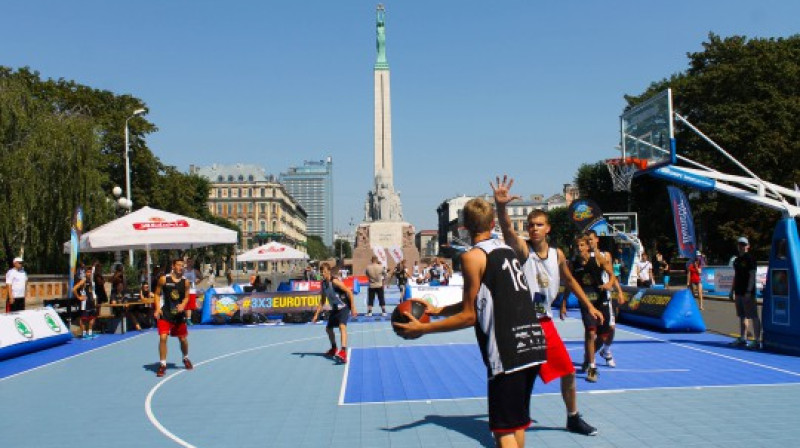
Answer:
(16, 283)
(401, 274)
(84, 292)
(100, 294)
(694, 277)
(644, 272)
(744, 294)
(662, 268)
(376, 274)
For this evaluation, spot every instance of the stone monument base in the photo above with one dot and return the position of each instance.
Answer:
(394, 239)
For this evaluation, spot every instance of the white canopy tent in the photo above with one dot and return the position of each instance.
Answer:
(272, 251)
(150, 228)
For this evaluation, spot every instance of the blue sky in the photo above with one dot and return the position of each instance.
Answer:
(529, 88)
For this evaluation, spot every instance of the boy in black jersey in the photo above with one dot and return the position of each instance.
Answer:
(170, 314)
(84, 292)
(588, 270)
(497, 302)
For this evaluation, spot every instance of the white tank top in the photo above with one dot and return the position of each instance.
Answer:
(543, 276)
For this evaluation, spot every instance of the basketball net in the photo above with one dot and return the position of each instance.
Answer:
(623, 170)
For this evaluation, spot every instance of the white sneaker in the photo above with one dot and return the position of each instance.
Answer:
(369, 314)
(606, 354)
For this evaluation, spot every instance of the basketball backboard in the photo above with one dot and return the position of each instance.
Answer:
(647, 132)
(625, 222)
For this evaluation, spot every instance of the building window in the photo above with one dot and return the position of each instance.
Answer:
(262, 226)
(234, 192)
(263, 192)
(244, 192)
(239, 223)
(274, 226)
(241, 178)
(274, 209)
(230, 178)
(219, 209)
(250, 178)
(238, 208)
(249, 207)
(230, 209)
(249, 225)
(262, 208)
(224, 192)
(220, 178)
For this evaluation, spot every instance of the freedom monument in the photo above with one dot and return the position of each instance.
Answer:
(383, 232)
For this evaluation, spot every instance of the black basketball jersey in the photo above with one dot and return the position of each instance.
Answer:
(589, 275)
(173, 291)
(507, 328)
(86, 290)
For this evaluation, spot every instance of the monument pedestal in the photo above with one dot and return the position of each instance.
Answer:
(390, 241)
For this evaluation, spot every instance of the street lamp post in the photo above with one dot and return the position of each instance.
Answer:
(129, 203)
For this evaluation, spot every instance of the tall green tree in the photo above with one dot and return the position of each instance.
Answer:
(62, 146)
(317, 250)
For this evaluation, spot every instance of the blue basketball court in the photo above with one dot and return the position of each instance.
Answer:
(271, 386)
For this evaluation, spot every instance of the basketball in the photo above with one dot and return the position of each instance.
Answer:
(415, 307)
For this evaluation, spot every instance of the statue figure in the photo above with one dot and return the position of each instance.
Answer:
(381, 40)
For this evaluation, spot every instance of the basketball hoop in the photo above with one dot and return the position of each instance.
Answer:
(622, 171)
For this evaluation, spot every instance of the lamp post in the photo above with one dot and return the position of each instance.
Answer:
(129, 204)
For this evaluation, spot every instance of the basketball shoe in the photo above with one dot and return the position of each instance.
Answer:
(576, 424)
(341, 356)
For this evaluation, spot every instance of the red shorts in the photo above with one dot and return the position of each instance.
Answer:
(191, 304)
(558, 361)
(172, 329)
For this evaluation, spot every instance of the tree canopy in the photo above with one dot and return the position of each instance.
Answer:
(62, 146)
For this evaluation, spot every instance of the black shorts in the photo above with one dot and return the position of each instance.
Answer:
(18, 305)
(509, 397)
(609, 308)
(371, 293)
(339, 316)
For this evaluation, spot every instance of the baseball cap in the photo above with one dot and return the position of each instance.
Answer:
(17, 260)
(743, 240)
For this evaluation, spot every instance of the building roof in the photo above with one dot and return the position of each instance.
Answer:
(239, 172)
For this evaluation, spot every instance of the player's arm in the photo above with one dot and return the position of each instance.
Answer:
(186, 286)
(570, 284)
(613, 281)
(157, 293)
(501, 198)
(322, 299)
(339, 284)
(77, 288)
(474, 264)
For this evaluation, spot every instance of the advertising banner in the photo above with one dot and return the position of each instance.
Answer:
(30, 330)
(437, 295)
(312, 285)
(684, 224)
(269, 303)
(381, 254)
(586, 215)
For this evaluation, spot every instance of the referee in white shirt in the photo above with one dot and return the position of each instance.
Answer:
(16, 280)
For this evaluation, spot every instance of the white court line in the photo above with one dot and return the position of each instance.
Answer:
(344, 378)
(72, 356)
(720, 355)
(148, 402)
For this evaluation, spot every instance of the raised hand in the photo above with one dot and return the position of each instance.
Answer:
(502, 196)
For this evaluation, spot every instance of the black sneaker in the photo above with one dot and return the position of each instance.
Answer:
(576, 424)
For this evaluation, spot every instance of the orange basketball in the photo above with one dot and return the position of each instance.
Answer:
(415, 307)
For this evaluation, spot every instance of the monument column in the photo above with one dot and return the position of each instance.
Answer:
(383, 232)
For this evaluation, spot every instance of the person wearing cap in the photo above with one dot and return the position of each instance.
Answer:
(16, 282)
(744, 294)
(693, 279)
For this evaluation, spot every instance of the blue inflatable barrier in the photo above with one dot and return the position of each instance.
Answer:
(662, 309)
(284, 287)
(206, 315)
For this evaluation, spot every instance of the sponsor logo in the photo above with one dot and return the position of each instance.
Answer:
(582, 213)
(226, 305)
(160, 223)
(23, 328)
(54, 327)
(268, 250)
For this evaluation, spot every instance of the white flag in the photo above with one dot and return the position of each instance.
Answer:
(396, 253)
(380, 253)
